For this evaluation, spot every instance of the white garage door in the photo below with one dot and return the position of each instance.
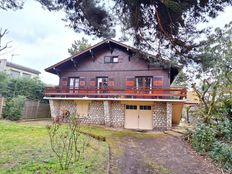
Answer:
(138, 117)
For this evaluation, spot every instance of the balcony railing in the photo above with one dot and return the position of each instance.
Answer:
(165, 93)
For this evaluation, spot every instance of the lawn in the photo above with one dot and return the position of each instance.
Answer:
(25, 149)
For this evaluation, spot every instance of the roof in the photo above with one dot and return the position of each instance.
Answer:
(23, 68)
(51, 69)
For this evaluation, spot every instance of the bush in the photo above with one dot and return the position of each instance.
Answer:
(225, 129)
(13, 108)
(222, 153)
(203, 138)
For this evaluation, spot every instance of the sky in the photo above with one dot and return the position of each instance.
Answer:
(41, 39)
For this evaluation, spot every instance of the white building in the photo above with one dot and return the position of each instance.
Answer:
(16, 70)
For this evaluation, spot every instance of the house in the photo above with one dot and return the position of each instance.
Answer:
(115, 85)
(16, 70)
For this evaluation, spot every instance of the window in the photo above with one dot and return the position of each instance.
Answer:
(111, 59)
(102, 82)
(144, 82)
(14, 73)
(73, 83)
(115, 59)
(131, 107)
(145, 107)
(26, 75)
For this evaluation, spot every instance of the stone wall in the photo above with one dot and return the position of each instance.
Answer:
(54, 108)
(112, 113)
(117, 114)
(99, 112)
(69, 105)
(96, 113)
(162, 116)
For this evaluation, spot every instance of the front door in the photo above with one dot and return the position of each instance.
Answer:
(138, 117)
(74, 84)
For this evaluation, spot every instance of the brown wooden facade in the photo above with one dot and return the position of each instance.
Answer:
(111, 67)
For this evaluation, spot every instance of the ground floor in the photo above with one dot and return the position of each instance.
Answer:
(143, 115)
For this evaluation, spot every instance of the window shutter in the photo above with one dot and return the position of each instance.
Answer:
(92, 82)
(64, 82)
(130, 82)
(82, 82)
(111, 82)
(158, 82)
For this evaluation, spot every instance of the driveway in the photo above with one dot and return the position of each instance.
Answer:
(163, 154)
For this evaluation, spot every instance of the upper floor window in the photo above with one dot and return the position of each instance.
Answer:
(26, 75)
(74, 82)
(143, 82)
(111, 59)
(14, 73)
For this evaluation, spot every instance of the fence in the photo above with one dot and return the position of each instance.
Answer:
(35, 110)
(1, 105)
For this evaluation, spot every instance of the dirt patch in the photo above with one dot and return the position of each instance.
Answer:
(159, 155)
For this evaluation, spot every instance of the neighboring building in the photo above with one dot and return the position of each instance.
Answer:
(111, 84)
(16, 70)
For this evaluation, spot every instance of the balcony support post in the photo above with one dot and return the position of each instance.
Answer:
(169, 115)
(107, 115)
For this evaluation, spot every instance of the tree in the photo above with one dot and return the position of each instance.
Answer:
(181, 80)
(214, 75)
(165, 26)
(13, 87)
(2, 34)
(78, 46)
(11, 4)
(159, 25)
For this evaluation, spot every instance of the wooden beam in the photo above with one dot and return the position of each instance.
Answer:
(57, 71)
(75, 64)
(92, 55)
(111, 48)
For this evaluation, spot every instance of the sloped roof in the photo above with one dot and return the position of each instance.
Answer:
(23, 68)
(52, 68)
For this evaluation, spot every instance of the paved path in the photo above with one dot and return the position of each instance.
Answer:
(166, 154)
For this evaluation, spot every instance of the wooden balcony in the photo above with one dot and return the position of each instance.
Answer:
(165, 93)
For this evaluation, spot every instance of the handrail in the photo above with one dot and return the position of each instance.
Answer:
(117, 92)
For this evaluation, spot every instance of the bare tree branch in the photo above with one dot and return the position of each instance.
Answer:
(2, 34)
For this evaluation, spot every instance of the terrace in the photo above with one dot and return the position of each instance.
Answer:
(116, 93)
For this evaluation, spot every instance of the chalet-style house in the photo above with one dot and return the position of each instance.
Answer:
(115, 85)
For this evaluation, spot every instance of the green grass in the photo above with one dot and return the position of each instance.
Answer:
(25, 149)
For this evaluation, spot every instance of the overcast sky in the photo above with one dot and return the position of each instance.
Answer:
(40, 38)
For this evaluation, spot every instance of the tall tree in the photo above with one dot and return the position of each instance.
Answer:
(213, 77)
(78, 46)
(11, 4)
(164, 26)
(158, 25)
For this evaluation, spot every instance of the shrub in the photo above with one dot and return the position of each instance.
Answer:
(13, 108)
(66, 141)
(203, 138)
(225, 129)
(222, 153)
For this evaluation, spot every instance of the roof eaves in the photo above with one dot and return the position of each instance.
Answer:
(17, 66)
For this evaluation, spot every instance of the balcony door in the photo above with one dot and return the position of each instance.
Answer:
(143, 82)
(74, 84)
(102, 83)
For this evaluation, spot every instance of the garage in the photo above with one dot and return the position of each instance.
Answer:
(138, 117)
